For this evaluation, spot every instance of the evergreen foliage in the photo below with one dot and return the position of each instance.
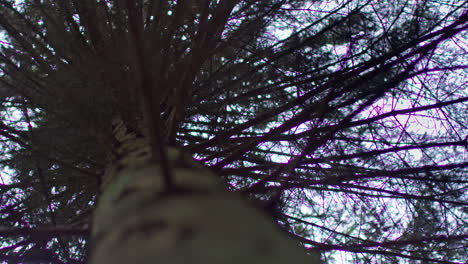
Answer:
(346, 120)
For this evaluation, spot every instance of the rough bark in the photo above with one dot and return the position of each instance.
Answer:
(138, 221)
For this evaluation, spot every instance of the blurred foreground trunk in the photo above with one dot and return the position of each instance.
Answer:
(199, 221)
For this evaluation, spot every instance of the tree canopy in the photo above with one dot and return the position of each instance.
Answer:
(345, 120)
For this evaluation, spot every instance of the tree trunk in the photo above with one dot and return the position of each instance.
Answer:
(138, 221)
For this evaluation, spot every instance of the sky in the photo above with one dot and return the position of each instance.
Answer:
(417, 124)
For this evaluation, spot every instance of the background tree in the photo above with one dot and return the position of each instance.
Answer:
(345, 120)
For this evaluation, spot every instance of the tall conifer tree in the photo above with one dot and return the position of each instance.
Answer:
(232, 131)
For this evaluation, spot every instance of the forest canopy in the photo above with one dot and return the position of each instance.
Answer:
(345, 120)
